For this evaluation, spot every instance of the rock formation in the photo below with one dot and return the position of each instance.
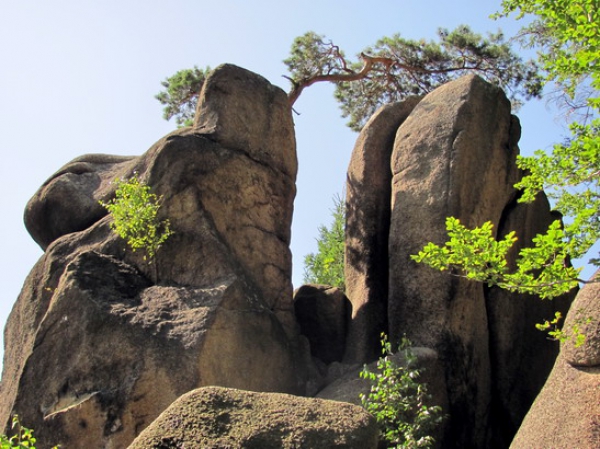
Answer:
(213, 417)
(100, 342)
(567, 411)
(97, 346)
(453, 154)
(323, 314)
(368, 188)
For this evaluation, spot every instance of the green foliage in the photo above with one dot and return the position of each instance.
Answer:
(567, 36)
(135, 216)
(542, 269)
(22, 438)
(388, 71)
(403, 67)
(397, 400)
(181, 95)
(560, 334)
(327, 265)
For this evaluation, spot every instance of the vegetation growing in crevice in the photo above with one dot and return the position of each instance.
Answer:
(398, 401)
(134, 210)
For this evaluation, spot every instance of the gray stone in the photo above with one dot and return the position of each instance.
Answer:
(100, 341)
(214, 417)
(567, 411)
(368, 193)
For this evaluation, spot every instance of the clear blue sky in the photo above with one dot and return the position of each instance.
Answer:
(79, 76)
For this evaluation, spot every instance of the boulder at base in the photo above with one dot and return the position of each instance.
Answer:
(566, 414)
(214, 417)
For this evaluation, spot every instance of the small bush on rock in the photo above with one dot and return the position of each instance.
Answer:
(135, 210)
(397, 400)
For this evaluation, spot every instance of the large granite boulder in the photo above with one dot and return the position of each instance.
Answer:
(566, 414)
(368, 196)
(100, 342)
(453, 155)
(213, 417)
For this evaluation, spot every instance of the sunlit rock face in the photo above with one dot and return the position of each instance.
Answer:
(221, 417)
(452, 153)
(100, 341)
(567, 411)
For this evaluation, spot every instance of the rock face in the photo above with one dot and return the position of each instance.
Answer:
(567, 411)
(214, 417)
(100, 342)
(453, 155)
(323, 314)
(520, 356)
(348, 386)
(368, 192)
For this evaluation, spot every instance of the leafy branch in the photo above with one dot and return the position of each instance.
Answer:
(135, 217)
(475, 254)
(397, 399)
(22, 439)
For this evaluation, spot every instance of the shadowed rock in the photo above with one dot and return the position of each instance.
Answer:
(100, 342)
(368, 194)
(323, 314)
(454, 155)
(521, 356)
(567, 411)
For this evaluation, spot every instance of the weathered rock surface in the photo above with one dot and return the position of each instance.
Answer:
(368, 195)
(349, 385)
(454, 155)
(214, 417)
(70, 200)
(100, 342)
(520, 355)
(323, 314)
(566, 414)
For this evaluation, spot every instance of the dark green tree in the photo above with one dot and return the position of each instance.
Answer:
(326, 266)
(395, 68)
(391, 69)
(181, 95)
